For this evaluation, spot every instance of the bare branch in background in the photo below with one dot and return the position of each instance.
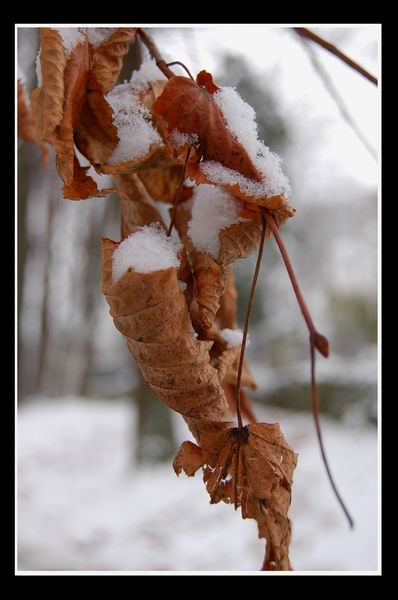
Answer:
(327, 80)
(310, 35)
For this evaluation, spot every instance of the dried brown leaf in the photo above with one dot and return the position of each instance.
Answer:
(57, 106)
(107, 59)
(189, 459)
(252, 468)
(150, 311)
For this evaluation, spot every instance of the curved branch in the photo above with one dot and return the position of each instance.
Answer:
(154, 52)
(310, 35)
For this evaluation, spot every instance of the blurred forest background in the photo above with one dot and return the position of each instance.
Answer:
(327, 134)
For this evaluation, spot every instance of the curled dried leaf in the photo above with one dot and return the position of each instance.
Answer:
(150, 311)
(252, 468)
(189, 108)
(106, 60)
(57, 106)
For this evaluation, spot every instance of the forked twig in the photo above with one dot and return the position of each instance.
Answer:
(177, 62)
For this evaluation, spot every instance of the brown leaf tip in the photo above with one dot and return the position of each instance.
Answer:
(205, 80)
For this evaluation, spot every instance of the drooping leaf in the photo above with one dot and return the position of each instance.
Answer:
(151, 312)
(57, 106)
(251, 468)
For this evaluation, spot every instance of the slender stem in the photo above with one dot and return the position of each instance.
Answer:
(247, 320)
(315, 412)
(154, 52)
(177, 200)
(321, 343)
(310, 35)
(177, 62)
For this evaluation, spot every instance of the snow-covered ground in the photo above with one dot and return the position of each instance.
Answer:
(84, 506)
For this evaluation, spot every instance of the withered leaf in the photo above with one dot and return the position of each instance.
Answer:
(150, 311)
(107, 59)
(189, 108)
(251, 468)
(189, 459)
(56, 108)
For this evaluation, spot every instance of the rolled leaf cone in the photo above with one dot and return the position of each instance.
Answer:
(250, 467)
(150, 311)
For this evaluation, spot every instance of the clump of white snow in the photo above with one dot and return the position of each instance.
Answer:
(182, 285)
(21, 74)
(240, 119)
(178, 138)
(234, 337)
(213, 209)
(221, 175)
(147, 250)
(71, 36)
(133, 121)
(39, 74)
(97, 35)
(147, 72)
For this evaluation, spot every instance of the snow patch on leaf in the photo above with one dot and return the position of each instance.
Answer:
(240, 119)
(97, 35)
(39, 74)
(221, 175)
(213, 210)
(133, 121)
(145, 251)
(148, 71)
(233, 337)
(178, 139)
(71, 36)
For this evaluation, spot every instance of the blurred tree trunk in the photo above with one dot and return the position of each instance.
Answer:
(154, 431)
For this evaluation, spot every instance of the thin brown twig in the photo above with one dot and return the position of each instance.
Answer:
(315, 412)
(320, 341)
(310, 35)
(177, 62)
(177, 200)
(247, 320)
(328, 83)
(154, 52)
